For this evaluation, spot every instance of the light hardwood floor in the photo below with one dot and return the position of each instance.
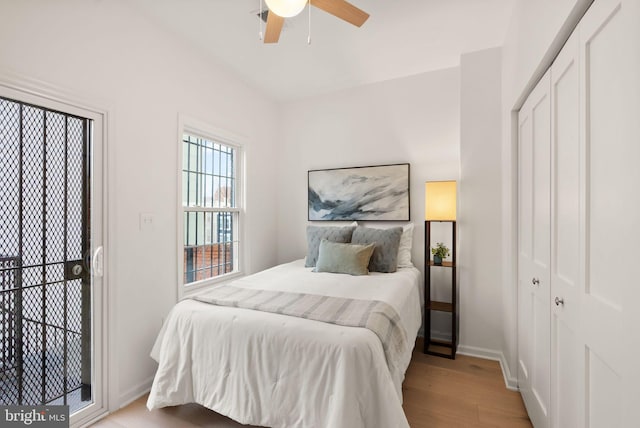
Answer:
(466, 392)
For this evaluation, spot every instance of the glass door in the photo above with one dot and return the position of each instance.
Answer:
(50, 230)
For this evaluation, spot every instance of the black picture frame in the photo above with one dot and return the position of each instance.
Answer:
(366, 193)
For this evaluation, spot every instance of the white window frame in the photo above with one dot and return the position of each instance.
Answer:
(188, 125)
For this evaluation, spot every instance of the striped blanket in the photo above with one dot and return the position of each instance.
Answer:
(377, 316)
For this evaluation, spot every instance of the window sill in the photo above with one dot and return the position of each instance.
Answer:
(187, 291)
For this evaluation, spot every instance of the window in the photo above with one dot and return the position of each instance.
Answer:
(210, 208)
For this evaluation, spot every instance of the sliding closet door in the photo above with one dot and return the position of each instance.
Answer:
(610, 72)
(534, 253)
(567, 198)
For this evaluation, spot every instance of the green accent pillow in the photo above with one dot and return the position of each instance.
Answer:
(344, 258)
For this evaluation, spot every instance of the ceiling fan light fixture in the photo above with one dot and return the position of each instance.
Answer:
(286, 8)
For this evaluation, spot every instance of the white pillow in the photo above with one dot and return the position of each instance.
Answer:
(404, 251)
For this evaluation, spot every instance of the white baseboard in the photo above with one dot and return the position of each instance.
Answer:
(489, 354)
(135, 392)
(510, 380)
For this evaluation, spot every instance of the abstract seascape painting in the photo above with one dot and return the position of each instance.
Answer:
(361, 193)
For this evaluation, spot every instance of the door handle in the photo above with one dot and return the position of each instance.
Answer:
(97, 262)
(535, 281)
(559, 301)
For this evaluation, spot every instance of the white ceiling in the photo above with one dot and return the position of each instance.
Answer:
(401, 38)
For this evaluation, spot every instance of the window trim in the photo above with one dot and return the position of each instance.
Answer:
(189, 125)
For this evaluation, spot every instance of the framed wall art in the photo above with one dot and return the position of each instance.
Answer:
(362, 193)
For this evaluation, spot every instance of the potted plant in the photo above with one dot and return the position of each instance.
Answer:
(439, 252)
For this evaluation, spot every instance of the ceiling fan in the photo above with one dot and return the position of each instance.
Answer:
(281, 9)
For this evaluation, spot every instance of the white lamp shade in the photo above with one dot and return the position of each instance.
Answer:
(440, 201)
(286, 8)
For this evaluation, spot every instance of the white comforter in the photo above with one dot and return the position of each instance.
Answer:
(274, 370)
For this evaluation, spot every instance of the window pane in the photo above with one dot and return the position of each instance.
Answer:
(210, 248)
(208, 191)
(227, 187)
(185, 218)
(191, 229)
(192, 185)
(224, 159)
(201, 225)
(232, 196)
(216, 160)
(208, 229)
(185, 184)
(193, 157)
(185, 156)
(208, 160)
(200, 201)
(211, 173)
(208, 180)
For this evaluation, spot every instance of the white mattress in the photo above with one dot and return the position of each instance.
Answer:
(278, 371)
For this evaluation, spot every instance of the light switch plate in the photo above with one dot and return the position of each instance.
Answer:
(147, 222)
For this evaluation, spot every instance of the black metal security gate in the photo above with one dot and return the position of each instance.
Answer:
(45, 281)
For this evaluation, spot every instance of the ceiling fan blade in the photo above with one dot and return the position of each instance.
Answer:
(343, 10)
(274, 27)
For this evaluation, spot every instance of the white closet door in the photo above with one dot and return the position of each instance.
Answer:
(610, 73)
(567, 198)
(534, 253)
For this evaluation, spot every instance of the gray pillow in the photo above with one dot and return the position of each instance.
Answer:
(385, 256)
(315, 234)
(344, 258)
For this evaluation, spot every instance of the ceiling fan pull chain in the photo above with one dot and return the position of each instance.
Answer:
(260, 33)
(309, 38)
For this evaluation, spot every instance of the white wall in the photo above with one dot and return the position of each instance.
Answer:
(536, 33)
(413, 119)
(418, 119)
(480, 211)
(100, 52)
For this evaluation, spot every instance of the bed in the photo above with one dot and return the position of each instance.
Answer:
(275, 370)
